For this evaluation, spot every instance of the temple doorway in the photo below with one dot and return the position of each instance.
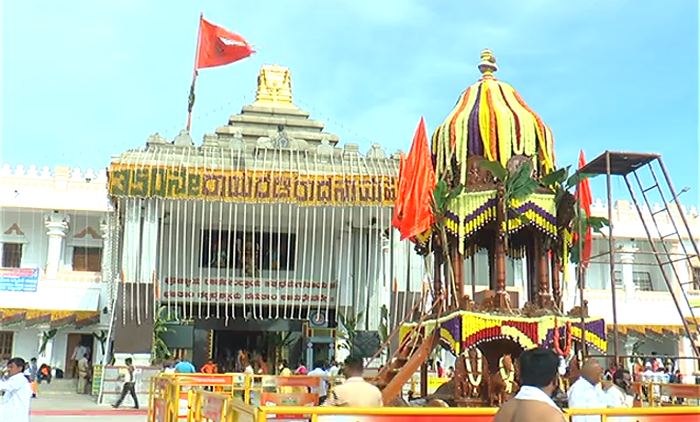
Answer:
(228, 343)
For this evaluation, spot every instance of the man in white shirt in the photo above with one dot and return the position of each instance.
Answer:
(322, 389)
(585, 394)
(619, 393)
(334, 370)
(17, 393)
(78, 353)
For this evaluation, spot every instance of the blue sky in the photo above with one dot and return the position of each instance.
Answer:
(84, 80)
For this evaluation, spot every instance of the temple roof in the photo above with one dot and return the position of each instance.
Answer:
(272, 133)
(491, 120)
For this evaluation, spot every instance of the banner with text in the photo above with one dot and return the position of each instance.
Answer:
(19, 280)
(252, 186)
(250, 292)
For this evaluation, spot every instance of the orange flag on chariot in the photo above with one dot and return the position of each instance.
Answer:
(583, 194)
(412, 212)
(218, 46)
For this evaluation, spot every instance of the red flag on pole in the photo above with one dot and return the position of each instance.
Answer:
(412, 212)
(216, 46)
(219, 47)
(585, 198)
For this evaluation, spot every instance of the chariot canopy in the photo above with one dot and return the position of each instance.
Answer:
(492, 123)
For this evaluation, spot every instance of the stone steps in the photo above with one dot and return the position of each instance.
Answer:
(59, 386)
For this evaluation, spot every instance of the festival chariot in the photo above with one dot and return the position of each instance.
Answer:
(488, 181)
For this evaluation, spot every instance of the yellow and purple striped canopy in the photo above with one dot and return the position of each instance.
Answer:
(491, 120)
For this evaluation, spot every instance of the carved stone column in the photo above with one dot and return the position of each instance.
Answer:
(57, 225)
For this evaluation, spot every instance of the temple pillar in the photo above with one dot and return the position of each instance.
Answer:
(556, 282)
(47, 355)
(56, 224)
(133, 330)
(458, 274)
(627, 258)
(544, 295)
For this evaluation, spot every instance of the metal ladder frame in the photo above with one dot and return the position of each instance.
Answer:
(628, 164)
(662, 237)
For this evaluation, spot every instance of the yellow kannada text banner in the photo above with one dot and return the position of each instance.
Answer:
(252, 186)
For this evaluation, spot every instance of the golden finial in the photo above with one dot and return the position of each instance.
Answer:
(274, 87)
(488, 63)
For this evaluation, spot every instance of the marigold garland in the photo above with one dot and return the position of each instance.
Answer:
(507, 376)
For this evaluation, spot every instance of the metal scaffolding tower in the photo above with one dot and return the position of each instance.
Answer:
(660, 190)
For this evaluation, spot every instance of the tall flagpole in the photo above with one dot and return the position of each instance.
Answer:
(190, 104)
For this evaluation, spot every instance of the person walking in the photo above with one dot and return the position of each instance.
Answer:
(322, 389)
(31, 373)
(539, 376)
(17, 393)
(129, 385)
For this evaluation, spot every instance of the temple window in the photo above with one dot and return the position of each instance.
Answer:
(87, 259)
(11, 255)
(641, 279)
(6, 338)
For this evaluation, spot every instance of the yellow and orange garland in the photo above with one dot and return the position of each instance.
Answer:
(507, 376)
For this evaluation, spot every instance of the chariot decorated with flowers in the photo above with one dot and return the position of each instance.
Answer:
(487, 185)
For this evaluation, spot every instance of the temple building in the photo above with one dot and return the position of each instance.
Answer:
(268, 227)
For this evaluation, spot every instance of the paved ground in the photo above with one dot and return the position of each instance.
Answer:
(73, 407)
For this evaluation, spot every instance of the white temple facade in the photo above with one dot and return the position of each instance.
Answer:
(268, 227)
(55, 289)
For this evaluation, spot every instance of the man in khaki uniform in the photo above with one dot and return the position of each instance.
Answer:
(539, 377)
(355, 391)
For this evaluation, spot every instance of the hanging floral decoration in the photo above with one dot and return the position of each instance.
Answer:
(557, 338)
(462, 330)
(507, 375)
(475, 380)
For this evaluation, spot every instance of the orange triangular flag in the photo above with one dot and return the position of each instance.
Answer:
(412, 212)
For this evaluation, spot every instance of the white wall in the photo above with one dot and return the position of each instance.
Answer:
(26, 343)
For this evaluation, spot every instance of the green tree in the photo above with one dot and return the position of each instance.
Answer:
(161, 326)
(348, 330)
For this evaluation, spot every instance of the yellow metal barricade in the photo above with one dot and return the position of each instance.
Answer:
(213, 407)
(405, 414)
(209, 406)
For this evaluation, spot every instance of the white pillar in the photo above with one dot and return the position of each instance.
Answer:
(627, 258)
(57, 225)
(47, 356)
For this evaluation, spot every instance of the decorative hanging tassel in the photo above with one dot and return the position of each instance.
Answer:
(565, 258)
